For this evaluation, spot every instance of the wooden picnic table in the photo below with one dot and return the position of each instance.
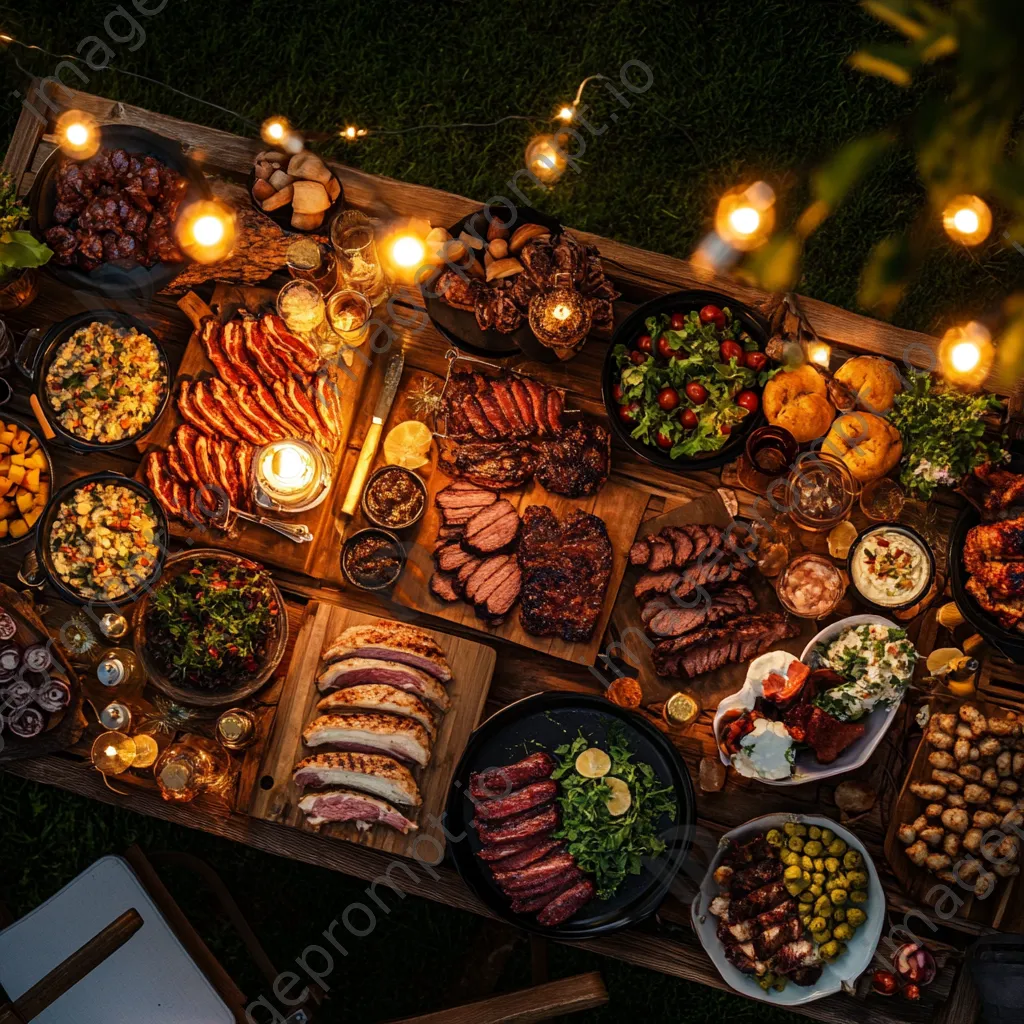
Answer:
(666, 943)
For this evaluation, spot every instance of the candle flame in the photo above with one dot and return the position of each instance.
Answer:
(965, 356)
(561, 311)
(408, 251)
(744, 220)
(208, 230)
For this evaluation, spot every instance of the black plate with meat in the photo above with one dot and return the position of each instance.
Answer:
(633, 326)
(1008, 642)
(126, 278)
(459, 326)
(542, 723)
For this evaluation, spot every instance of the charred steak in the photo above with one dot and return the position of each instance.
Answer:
(566, 567)
(576, 462)
(703, 650)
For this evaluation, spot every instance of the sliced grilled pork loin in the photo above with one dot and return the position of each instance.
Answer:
(372, 773)
(353, 671)
(379, 697)
(334, 805)
(393, 641)
(493, 529)
(371, 733)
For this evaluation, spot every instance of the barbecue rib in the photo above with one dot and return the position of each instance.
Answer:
(565, 571)
(703, 650)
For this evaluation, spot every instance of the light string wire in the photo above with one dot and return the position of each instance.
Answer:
(429, 126)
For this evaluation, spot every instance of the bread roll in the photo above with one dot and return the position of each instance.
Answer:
(797, 400)
(869, 445)
(874, 381)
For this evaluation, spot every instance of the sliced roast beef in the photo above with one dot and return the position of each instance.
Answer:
(464, 497)
(656, 605)
(710, 647)
(682, 545)
(492, 530)
(676, 618)
(639, 553)
(661, 553)
(466, 570)
(525, 407)
(452, 557)
(503, 395)
(484, 571)
(504, 596)
(444, 586)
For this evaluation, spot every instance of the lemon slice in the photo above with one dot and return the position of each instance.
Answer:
(593, 763)
(619, 801)
(408, 445)
(841, 538)
(681, 709)
(941, 657)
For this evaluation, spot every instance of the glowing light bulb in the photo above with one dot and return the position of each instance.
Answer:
(208, 230)
(351, 131)
(110, 751)
(967, 219)
(565, 113)
(965, 356)
(77, 134)
(408, 251)
(744, 220)
(545, 159)
(275, 130)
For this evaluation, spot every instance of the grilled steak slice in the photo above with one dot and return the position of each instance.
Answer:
(493, 854)
(400, 738)
(450, 531)
(682, 545)
(503, 596)
(576, 463)
(349, 805)
(523, 404)
(452, 557)
(553, 410)
(674, 620)
(494, 782)
(536, 874)
(566, 567)
(655, 605)
(520, 827)
(460, 516)
(465, 571)
(478, 418)
(487, 568)
(530, 855)
(538, 401)
(466, 496)
(394, 641)
(502, 392)
(699, 537)
(508, 573)
(492, 410)
(493, 529)
(379, 697)
(372, 773)
(640, 552)
(547, 894)
(682, 584)
(501, 467)
(661, 553)
(354, 671)
(705, 649)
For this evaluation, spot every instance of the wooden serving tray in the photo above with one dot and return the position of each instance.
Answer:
(247, 538)
(472, 666)
(620, 506)
(1003, 908)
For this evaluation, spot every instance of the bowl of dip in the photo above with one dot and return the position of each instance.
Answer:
(810, 587)
(372, 559)
(394, 498)
(891, 566)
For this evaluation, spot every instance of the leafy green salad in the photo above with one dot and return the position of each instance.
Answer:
(688, 381)
(607, 831)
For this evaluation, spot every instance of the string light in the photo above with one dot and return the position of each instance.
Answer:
(966, 354)
(819, 353)
(566, 114)
(746, 215)
(206, 231)
(351, 132)
(274, 130)
(78, 133)
(967, 219)
(545, 159)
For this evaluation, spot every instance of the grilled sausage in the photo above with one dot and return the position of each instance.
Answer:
(562, 907)
(501, 781)
(535, 795)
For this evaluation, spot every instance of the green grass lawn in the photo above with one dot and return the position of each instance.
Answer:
(742, 89)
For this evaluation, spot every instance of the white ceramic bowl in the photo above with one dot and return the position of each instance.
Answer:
(836, 975)
(807, 769)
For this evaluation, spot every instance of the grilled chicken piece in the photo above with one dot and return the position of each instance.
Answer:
(379, 697)
(376, 774)
(1009, 611)
(354, 671)
(1002, 579)
(994, 542)
(401, 738)
(394, 641)
(757, 902)
(233, 343)
(336, 805)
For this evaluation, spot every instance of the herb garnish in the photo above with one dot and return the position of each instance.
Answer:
(610, 848)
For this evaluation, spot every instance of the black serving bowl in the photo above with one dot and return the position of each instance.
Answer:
(417, 482)
(355, 538)
(36, 364)
(124, 279)
(914, 536)
(8, 541)
(459, 326)
(632, 327)
(46, 521)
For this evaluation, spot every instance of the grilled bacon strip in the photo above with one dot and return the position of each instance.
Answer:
(328, 402)
(211, 336)
(245, 429)
(283, 340)
(169, 492)
(233, 342)
(270, 365)
(218, 422)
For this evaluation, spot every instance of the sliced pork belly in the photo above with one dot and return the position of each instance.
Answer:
(350, 805)
(379, 697)
(354, 671)
(394, 641)
(401, 738)
(375, 774)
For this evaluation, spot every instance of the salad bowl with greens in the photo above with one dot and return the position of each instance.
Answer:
(683, 378)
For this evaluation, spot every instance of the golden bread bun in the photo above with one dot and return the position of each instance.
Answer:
(796, 400)
(875, 382)
(869, 445)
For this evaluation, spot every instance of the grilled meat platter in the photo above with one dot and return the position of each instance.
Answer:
(384, 694)
(269, 384)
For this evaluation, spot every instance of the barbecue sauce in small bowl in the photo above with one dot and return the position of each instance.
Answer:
(394, 498)
(372, 559)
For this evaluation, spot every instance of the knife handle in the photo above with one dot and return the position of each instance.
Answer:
(359, 474)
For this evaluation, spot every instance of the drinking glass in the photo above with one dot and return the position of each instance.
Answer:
(348, 318)
(301, 306)
(359, 264)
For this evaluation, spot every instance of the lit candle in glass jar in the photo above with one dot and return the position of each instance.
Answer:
(113, 753)
(290, 476)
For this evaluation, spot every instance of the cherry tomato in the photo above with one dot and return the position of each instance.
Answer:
(629, 412)
(637, 357)
(663, 440)
(731, 350)
(755, 361)
(712, 315)
(688, 418)
(665, 350)
(696, 393)
(677, 321)
(617, 393)
(725, 428)
(747, 400)
(668, 398)
(643, 343)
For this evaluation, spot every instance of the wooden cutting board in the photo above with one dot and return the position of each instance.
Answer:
(629, 633)
(1003, 908)
(472, 666)
(620, 506)
(248, 538)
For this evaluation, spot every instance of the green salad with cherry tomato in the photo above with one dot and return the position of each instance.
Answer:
(685, 384)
